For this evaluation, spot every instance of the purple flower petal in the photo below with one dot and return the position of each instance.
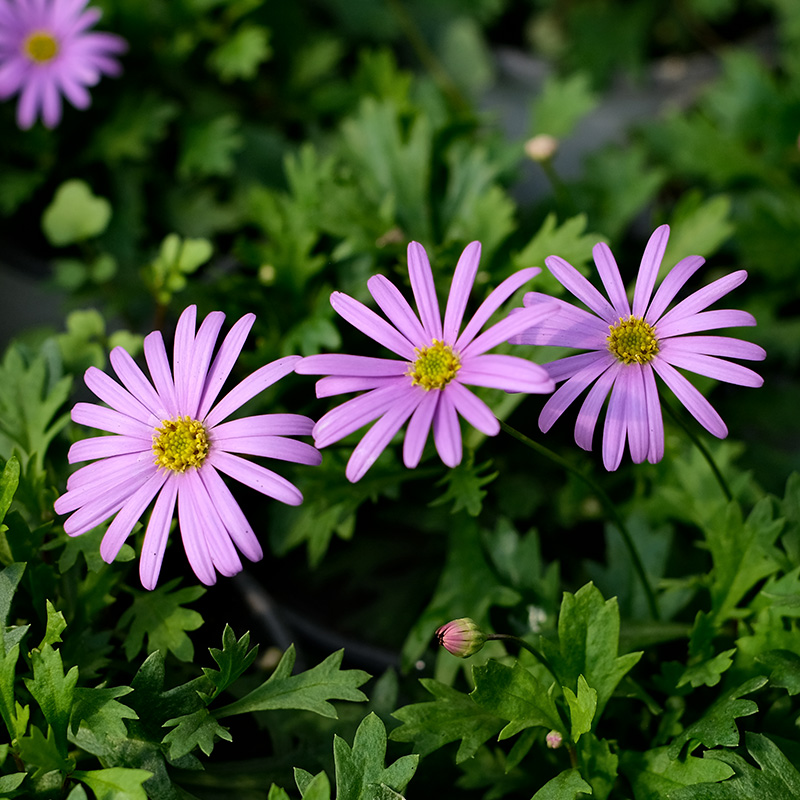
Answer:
(571, 365)
(631, 383)
(375, 440)
(616, 425)
(612, 281)
(256, 477)
(586, 420)
(565, 326)
(418, 427)
(692, 400)
(276, 447)
(157, 362)
(157, 534)
(460, 289)
(105, 446)
(396, 308)
(106, 419)
(110, 392)
(711, 367)
(648, 269)
(447, 432)
(134, 380)
(510, 373)
(706, 321)
(335, 385)
(183, 348)
(252, 385)
(421, 275)
(369, 323)
(194, 542)
(655, 423)
(577, 285)
(265, 425)
(501, 331)
(473, 409)
(715, 346)
(201, 358)
(495, 299)
(352, 366)
(704, 297)
(673, 282)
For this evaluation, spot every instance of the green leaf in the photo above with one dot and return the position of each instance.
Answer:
(718, 725)
(198, 729)
(241, 54)
(561, 104)
(707, 672)
(515, 694)
(465, 487)
(777, 776)
(97, 720)
(360, 771)
(55, 626)
(309, 690)
(588, 642)
(9, 783)
(654, 774)
(599, 765)
(53, 691)
(75, 214)
(9, 481)
(234, 658)
(276, 793)
(116, 783)
(582, 708)
(313, 787)
(43, 753)
(450, 717)
(565, 786)
(209, 147)
(160, 616)
(8, 705)
(9, 580)
(785, 669)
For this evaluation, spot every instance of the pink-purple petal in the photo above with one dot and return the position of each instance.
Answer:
(155, 355)
(106, 446)
(369, 323)
(674, 280)
(352, 366)
(565, 395)
(336, 385)
(202, 351)
(106, 419)
(578, 286)
(648, 269)
(134, 380)
(704, 297)
(397, 309)
(509, 373)
(631, 381)
(586, 421)
(473, 409)
(256, 477)
(712, 367)
(276, 447)
(265, 425)
(571, 365)
(157, 534)
(183, 347)
(565, 326)
(615, 428)
(111, 393)
(655, 423)
(421, 276)
(418, 427)
(194, 541)
(715, 346)
(612, 281)
(705, 321)
(520, 320)
(447, 432)
(460, 289)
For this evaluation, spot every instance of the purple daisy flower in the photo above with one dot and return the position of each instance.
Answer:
(427, 385)
(46, 52)
(171, 443)
(629, 347)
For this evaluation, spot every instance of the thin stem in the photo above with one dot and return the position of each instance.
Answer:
(607, 502)
(702, 448)
(540, 657)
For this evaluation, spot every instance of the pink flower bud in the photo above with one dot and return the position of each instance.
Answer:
(553, 740)
(461, 637)
(542, 147)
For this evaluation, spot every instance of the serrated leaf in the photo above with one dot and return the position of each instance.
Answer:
(160, 616)
(562, 102)
(718, 725)
(565, 786)
(785, 669)
(115, 783)
(43, 752)
(313, 787)
(234, 658)
(588, 642)
(209, 147)
(599, 764)
(707, 672)
(514, 694)
(97, 720)
(198, 729)
(360, 769)
(55, 626)
(582, 708)
(309, 690)
(450, 717)
(75, 214)
(9, 481)
(465, 487)
(241, 54)
(777, 776)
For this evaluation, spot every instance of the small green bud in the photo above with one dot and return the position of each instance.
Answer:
(461, 637)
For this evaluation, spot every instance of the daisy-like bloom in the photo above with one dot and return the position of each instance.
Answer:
(427, 385)
(46, 51)
(171, 442)
(627, 347)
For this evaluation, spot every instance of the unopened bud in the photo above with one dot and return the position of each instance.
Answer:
(461, 637)
(542, 147)
(553, 740)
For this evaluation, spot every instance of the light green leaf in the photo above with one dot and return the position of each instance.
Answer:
(55, 625)
(97, 720)
(562, 103)
(242, 53)
(161, 617)
(43, 752)
(313, 787)
(198, 729)
(75, 214)
(654, 774)
(707, 672)
(9, 481)
(209, 147)
(116, 783)
(582, 707)
(360, 771)
(9, 783)
(448, 718)
(309, 690)
(785, 666)
(234, 658)
(565, 786)
(465, 487)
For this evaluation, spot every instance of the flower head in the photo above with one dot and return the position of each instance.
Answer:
(461, 637)
(46, 51)
(426, 386)
(171, 442)
(628, 346)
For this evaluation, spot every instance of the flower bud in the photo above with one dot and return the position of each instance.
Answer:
(553, 740)
(461, 637)
(542, 147)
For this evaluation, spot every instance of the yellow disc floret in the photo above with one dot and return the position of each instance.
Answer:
(40, 46)
(435, 366)
(633, 341)
(180, 443)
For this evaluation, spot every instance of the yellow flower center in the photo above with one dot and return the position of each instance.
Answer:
(40, 46)
(180, 443)
(435, 366)
(633, 341)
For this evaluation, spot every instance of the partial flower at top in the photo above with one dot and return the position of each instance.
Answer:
(629, 346)
(427, 385)
(171, 443)
(46, 51)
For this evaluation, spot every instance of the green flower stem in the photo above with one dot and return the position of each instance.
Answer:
(607, 502)
(702, 448)
(529, 647)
